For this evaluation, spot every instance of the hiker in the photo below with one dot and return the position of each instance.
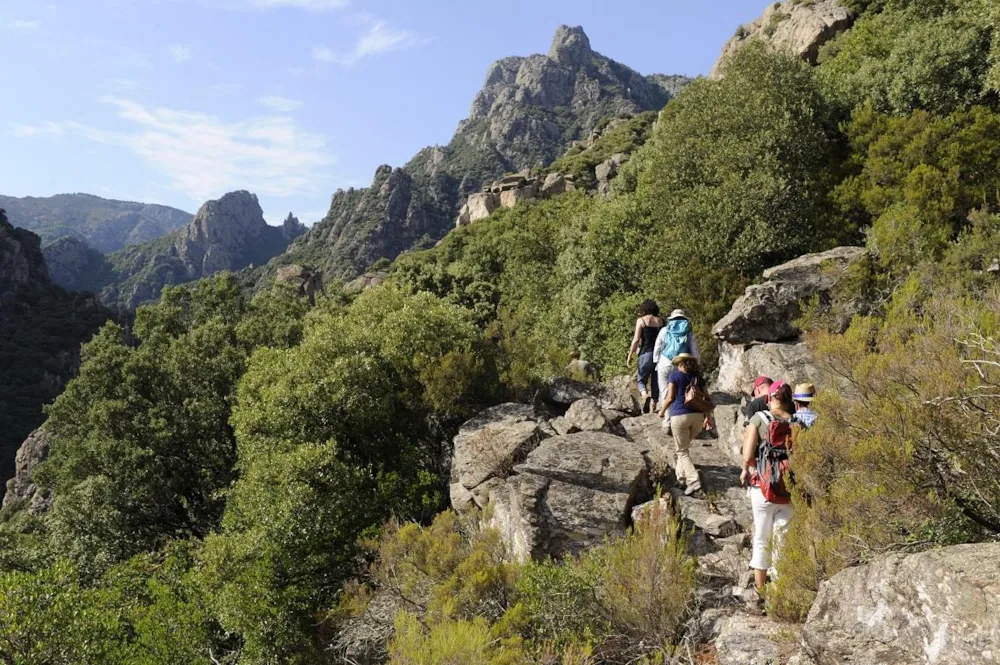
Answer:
(647, 327)
(675, 337)
(802, 397)
(688, 416)
(766, 446)
(758, 398)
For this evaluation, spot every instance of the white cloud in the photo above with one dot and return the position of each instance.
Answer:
(378, 39)
(280, 104)
(180, 53)
(204, 156)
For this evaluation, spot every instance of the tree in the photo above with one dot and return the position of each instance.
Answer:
(737, 171)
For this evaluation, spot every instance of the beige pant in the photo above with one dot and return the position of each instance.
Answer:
(684, 429)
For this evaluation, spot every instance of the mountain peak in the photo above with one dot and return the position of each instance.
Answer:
(570, 46)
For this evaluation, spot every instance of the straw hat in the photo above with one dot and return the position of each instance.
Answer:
(682, 356)
(677, 314)
(804, 392)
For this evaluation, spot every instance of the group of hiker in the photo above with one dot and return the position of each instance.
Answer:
(669, 367)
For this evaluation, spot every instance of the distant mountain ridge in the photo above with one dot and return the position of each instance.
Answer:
(226, 234)
(104, 224)
(529, 111)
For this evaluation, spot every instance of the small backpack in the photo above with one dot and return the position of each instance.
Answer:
(675, 339)
(697, 398)
(772, 460)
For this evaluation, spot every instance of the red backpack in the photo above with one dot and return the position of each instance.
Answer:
(772, 459)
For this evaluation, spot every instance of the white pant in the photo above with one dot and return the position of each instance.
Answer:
(770, 522)
(663, 370)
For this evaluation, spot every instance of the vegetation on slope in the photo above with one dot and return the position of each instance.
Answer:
(219, 485)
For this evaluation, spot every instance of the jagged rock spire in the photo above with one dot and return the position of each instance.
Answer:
(570, 46)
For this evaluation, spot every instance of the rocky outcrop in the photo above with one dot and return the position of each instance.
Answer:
(511, 190)
(300, 280)
(21, 260)
(570, 493)
(759, 336)
(21, 489)
(618, 394)
(103, 224)
(798, 27)
(606, 171)
(76, 266)
(528, 112)
(227, 234)
(935, 607)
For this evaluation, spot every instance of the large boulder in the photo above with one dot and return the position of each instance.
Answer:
(586, 414)
(606, 171)
(934, 607)
(511, 197)
(21, 489)
(570, 493)
(618, 394)
(556, 183)
(767, 311)
(481, 205)
(369, 280)
(759, 335)
(489, 445)
(799, 28)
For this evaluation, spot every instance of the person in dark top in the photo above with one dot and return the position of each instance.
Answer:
(647, 327)
(685, 423)
(759, 398)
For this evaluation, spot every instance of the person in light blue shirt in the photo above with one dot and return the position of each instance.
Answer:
(803, 396)
(675, 338)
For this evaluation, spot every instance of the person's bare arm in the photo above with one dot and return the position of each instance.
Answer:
(668, 400)
(750, 440)
(636, 341)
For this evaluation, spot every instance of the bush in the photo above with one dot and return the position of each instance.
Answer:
(896, 461)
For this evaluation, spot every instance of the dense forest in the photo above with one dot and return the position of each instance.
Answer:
(236, 482)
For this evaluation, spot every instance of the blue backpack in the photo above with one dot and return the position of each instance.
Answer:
(675, 339)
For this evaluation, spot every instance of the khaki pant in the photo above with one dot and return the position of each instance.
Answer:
(684, 429)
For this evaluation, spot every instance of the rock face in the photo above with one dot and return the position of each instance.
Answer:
(606, 171)
(617, 394)
(528, 112)
(571, 492)
(21, 489)
(800, 28)
(76, 266)
(303, 281)
(21, 260)
(934, 607)
(367, 281)
(103, 224)
(227, 234)
(758, 335)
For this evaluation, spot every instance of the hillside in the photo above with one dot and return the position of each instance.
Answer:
(41, 328)
(529, 111)
(104, 224)
(410, 474)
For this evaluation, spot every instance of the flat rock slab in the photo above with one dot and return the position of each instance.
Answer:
(747, 639)
(590, 459)
(492, 450)
(941, 607)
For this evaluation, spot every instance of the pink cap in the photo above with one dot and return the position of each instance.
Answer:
(775, 387)
(759, 381)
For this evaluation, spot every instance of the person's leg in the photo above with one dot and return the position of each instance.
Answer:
(696, 422)
(646, 370)
(763, 525)
(681, 429)
(782, 516)
(654, 384)
(662, 374)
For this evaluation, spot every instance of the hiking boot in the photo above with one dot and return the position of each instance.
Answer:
(696, 493)
(754, 601)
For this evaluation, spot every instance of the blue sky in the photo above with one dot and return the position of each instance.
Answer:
(179, 101)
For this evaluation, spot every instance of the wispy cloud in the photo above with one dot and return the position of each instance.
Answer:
(379, 38)
(180, 53)
(280, 104)
(204, 156)
(24, 25)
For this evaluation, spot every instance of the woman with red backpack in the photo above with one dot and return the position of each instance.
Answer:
(767, 443)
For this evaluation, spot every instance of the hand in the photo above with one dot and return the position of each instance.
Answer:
(628, 360)
(708, 423)
(743, 478)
